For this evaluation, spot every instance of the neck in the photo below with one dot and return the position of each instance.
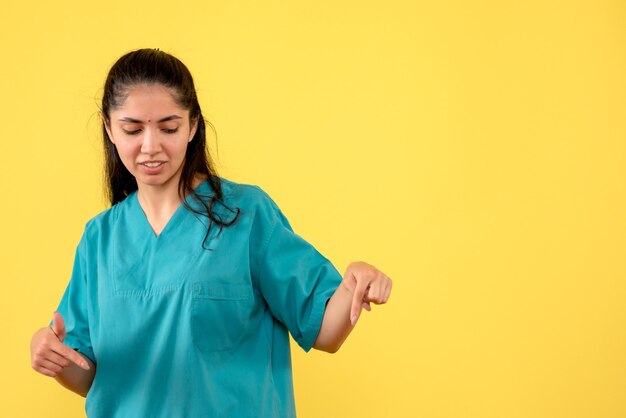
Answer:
(160, 202)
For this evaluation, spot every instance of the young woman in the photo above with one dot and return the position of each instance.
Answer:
(184, 292)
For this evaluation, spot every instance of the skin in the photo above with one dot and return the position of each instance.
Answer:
(362, 285)
(149, 126)
(50, 357)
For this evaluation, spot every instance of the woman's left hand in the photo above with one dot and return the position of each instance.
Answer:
(367, 285)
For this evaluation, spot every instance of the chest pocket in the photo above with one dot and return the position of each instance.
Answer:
(219, 315)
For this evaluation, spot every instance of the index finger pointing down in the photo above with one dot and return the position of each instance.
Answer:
(72, 356)
(357, 301)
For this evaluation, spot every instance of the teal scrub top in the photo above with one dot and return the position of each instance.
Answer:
(179, 330)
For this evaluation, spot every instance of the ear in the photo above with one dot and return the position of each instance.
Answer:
(194, 128)
(107, 126)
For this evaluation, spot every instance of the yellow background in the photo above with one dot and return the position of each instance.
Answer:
(473, 150)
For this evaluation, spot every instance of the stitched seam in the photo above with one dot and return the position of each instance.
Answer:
(148, 292)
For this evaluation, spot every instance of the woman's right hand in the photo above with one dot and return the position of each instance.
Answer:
(48, 354)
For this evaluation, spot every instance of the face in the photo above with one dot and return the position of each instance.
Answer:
(151, 132)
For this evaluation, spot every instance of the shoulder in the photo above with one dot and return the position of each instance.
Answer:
(247, 196)
(254, 204)
(104, 221)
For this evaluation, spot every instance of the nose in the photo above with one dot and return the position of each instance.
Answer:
(151, 144)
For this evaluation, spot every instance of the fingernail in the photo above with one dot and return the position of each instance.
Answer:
(353, 320)
(86, 365)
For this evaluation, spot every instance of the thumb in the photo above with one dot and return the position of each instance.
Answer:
(58, 326)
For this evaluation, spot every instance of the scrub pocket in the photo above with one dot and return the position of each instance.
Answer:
(219, 314)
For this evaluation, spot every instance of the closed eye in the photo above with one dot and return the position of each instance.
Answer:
(170, 131)
(135, 132)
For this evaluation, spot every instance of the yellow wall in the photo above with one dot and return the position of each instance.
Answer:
(473, 150)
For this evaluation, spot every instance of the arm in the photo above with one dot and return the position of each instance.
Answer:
(50, 357)
(362, 284)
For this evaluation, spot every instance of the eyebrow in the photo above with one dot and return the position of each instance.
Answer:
(165, 119)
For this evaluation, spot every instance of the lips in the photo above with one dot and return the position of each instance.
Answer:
(152, 167)
(152, 164)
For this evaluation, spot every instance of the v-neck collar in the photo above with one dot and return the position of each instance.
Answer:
(146, 264)
(172, 221)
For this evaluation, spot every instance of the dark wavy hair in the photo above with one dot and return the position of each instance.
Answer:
(152, 66)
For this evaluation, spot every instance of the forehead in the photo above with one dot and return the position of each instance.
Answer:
(149, 101)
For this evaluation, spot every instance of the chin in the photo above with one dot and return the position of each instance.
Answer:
(152, 181)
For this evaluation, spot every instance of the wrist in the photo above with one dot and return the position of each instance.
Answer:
(347, 287)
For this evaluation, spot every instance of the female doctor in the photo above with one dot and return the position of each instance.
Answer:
(184, 292)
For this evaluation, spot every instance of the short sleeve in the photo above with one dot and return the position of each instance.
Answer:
(73, 307)
(294, 278)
